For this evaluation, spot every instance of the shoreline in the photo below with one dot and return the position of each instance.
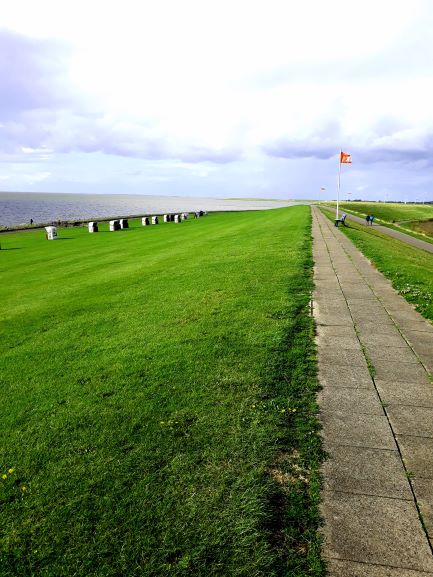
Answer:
(83, 222)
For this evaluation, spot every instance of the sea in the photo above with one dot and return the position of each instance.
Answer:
(17, 208)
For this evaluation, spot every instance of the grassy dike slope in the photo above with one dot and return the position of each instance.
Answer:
(389, 211)
(157, 389)
(415, 219)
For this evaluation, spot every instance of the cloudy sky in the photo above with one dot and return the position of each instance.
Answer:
(217, 98)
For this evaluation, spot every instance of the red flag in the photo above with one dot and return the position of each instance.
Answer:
(345, 158)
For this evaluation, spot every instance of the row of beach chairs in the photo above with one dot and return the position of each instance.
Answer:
(122, 223)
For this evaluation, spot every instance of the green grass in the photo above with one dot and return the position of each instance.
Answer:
(410, 269)
(158, 400)
(389, 211)
(415, 219)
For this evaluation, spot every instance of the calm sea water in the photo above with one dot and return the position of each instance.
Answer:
(19, 208)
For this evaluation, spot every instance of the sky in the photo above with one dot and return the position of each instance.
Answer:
(224, 98)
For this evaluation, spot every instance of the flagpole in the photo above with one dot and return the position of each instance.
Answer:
(338, 188)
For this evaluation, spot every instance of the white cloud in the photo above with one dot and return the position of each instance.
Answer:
(218, 82)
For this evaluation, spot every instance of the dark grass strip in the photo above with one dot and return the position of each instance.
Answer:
(291, 384)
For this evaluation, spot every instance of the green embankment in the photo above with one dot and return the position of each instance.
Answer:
(390, 211)
(410, 269)
(415, 219)
(158, 411)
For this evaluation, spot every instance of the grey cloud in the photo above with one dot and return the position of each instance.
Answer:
(31, 74)
(62, 131)
(389, 140)
(423, 156)
(286, 148)
(321, 144)
(369, 154)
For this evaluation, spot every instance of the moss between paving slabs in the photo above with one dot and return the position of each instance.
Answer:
(158, 412)
(410, 269)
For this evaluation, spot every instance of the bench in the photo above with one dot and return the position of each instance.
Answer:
(342, 219)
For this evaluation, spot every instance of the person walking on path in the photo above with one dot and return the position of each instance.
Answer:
(367, 219)
(371, 219)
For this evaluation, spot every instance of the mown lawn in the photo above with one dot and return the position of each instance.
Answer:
(158, 412)
(410, 269)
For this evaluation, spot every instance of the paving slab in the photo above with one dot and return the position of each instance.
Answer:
(321, 256)
(325, 306)
(424, 493)
(384, 290)
(325, 269)
(417, 454)
(371, 431)
(422, 343)
(420, 339)
(404, 315)
(337, 331)
(419, 326)
(366, 314)
(324, 273)
(344, 400)
(324, 276)
(350, 280)
(334, 299)
(412, 394)
(380, 285)
(376, 340)
(319, 268)
(368, 327)
(332, 319)
(376, 530)
(328, 292)
(366, 471)
(333, 376)
(389, 370)
(340, 568)
(342, 356)
(349, 276)
(394, 354)
(339, 341)
(364, 300)
(409, 420)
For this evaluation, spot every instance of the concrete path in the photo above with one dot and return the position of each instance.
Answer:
(424, 245)
(376, 407)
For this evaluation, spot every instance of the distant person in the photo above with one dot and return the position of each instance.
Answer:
(31, 221)
(371, 219)
(367, 219)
